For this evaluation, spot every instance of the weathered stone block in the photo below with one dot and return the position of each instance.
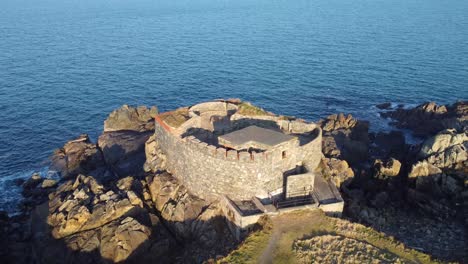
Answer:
(211, 150)
(221, 153)
(232, 155)
(244, 156)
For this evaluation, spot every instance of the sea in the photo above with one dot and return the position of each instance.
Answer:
(66, 64)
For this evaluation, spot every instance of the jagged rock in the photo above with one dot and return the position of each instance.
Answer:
(387, 168)
(134, 199)
(442, 141)
(432, 181)
(175, 203)
(423, 169)
(140, 119)
(120, 239)
(77, 207)
(338, 121)
(430, 118)
(345, 138)
(125, 184)
(337, 170)
(124, 151)
(155, 159)
(32, 182)
(48, 183)
(78, 156)
(452, 157)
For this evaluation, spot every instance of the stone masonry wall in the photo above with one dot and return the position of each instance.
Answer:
(299, 185)
(209, 171)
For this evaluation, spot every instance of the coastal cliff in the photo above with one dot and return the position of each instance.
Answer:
(114, 202)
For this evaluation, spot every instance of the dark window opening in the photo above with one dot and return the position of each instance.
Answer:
(284, 154)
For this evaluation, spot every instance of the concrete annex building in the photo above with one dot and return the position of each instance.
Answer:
(254, 161)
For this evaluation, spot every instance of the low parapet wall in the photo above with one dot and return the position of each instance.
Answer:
(210, 171)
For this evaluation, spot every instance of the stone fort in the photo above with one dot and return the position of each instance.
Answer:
(255, 161)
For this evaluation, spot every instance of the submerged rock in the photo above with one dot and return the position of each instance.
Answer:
(429, 118)
(384, 105)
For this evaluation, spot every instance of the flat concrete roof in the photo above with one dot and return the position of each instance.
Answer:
(256, 134)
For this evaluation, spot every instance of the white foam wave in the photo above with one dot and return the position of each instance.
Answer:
(10, 192)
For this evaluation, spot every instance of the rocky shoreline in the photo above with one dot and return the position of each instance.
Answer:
(113, 203)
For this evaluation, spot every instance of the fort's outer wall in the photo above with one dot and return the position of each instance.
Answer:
(209, 171)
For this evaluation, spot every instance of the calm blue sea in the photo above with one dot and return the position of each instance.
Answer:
(65, 64)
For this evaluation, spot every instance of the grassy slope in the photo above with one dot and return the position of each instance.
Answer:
(274, 244)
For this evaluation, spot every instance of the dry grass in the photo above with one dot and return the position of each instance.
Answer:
(340, 249)
(175, 118)
(290, 240)
(253, 246)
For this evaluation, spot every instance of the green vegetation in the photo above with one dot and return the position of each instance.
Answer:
(247, 109)
(175, 118)
(288, 236)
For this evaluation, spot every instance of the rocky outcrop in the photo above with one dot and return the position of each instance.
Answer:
(442, 170)
(345, 137)
(155, 159)
(126, 131)
(447, 149)
(384, 169)
(338, 171)
(139, 119)
(430, 118)
(128, 221)
(83, 205)
(121, 148)
(78, 156)
(442, 141)
(124, 151)
(189, 218)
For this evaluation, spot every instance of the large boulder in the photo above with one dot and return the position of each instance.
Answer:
(120, 239)
(126, 131)
(384, 169)
(442, 141)
(176, 205)
(78, 156)
(345, 137)
(338, 171)
(139, 119)
(124, 151)
(431, 180)
(338, 121)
